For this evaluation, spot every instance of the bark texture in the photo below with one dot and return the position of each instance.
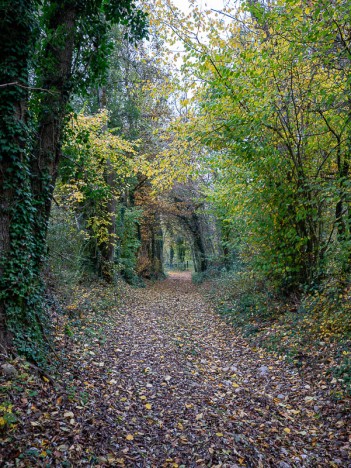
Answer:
(16, 23)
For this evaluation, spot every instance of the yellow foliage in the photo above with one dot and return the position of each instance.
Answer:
(330, 312)
(99, 165)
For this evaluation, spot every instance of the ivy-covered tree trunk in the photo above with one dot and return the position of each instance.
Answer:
(157, 249)
(56, 81)
(199, 249)
(17, 271)
(29, 160)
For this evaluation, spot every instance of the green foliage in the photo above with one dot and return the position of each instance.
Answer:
(69, 244)
(62, 48)
(198, 278)
(96, 169)
(343, 371)
(329, 310)
(20, 284)
(7, 418)
(93, 21)
(67, 248)
(128, 242)
(303, 330)
(271, 117)
(210, 273)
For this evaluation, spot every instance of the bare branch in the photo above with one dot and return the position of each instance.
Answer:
(32, 88)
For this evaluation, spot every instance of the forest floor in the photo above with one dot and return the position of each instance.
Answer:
(162, 381)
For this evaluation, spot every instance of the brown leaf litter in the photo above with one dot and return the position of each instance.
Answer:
(162, 381)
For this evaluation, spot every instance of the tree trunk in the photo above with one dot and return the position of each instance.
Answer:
(199, 250)
(16, 38)
(56, 81)
(28, 173)
(108, 248)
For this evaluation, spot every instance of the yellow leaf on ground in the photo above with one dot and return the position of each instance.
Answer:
(130, 437)
(287, 430)
(148, 406)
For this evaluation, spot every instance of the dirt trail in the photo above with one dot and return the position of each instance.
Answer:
(171, 384)
(197, 395)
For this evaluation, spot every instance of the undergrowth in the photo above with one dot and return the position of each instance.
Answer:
(307, 330)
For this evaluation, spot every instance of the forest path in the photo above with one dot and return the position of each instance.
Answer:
(191, 392)
(162, 381)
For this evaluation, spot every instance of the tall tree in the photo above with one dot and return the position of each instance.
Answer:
(73, 51)
(17, 29)
(270, 103)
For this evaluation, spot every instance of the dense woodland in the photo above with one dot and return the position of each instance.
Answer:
(137, 139)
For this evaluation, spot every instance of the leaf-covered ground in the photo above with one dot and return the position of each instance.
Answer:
(162, 381)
